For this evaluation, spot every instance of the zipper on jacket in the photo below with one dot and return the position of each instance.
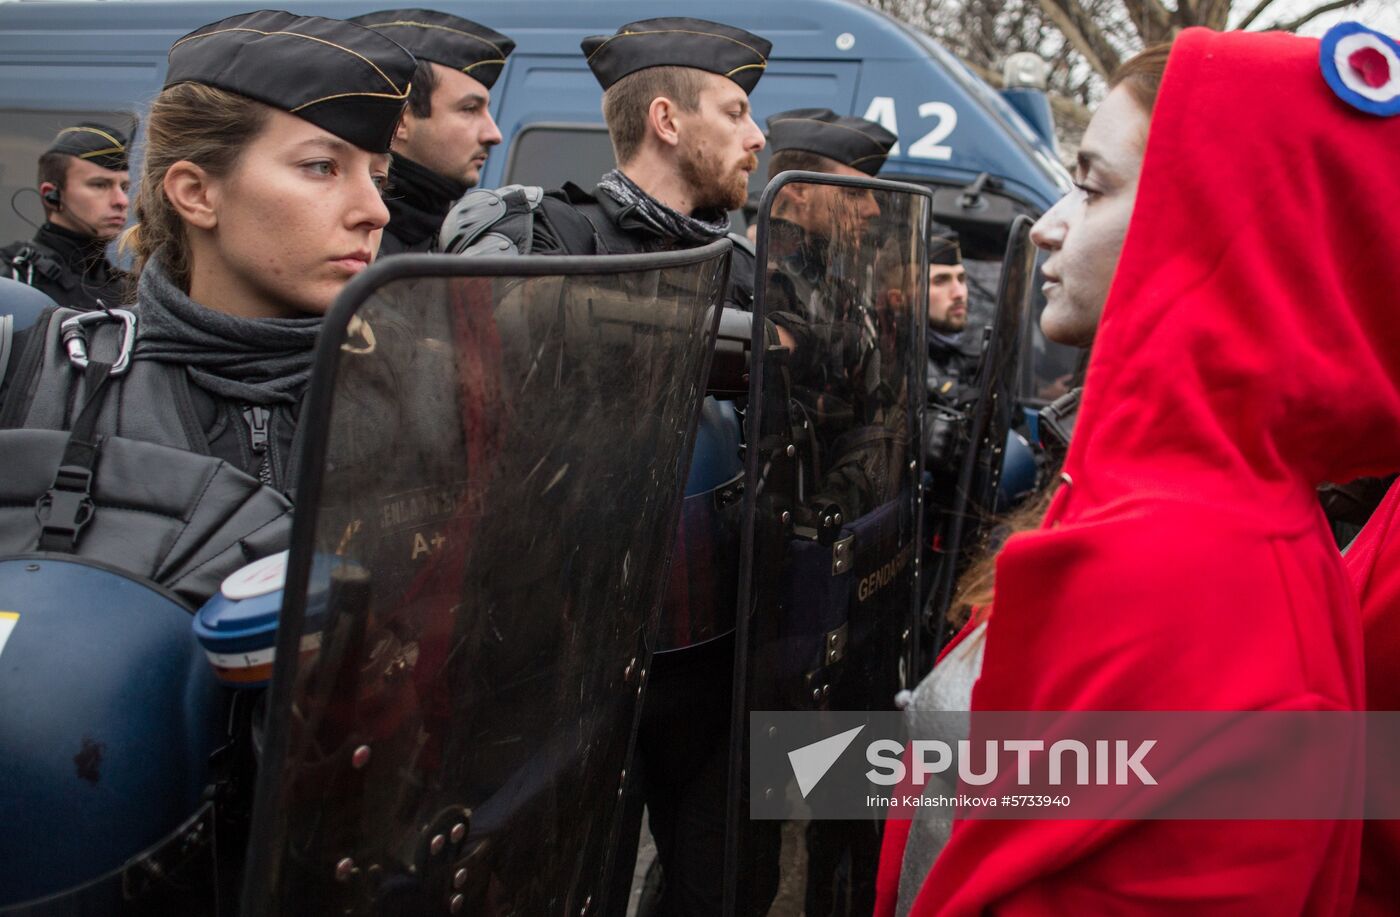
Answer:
(258, 420)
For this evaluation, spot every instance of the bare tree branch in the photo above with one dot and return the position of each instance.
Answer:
(1255, 13)
(1149, 14)
(1293, 25)
(1083, 33)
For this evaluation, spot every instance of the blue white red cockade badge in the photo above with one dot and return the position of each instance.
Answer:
(1363, 67)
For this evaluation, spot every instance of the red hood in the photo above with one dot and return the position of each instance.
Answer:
(1249, 349)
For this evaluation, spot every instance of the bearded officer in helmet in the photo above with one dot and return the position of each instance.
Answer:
(447, 132)
(84, 186)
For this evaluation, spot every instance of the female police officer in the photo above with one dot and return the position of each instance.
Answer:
(146, 453)
(259, 199)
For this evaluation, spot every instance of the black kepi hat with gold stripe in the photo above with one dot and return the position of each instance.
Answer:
(342, 77)
(451, 41)
(855, 142)
(678, 41)
(97, 143)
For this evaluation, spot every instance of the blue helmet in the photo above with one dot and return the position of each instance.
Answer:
(108, 716)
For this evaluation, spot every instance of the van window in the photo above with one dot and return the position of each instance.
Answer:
(550, 154)
(24, 135)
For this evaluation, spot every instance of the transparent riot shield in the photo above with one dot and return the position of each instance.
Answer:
(967, 514)
(495, 454)
(829, 593)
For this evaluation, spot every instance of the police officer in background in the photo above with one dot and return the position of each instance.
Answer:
(83, 183)
(820, 292)
(447, 131)
(952, 363)
(809, 218)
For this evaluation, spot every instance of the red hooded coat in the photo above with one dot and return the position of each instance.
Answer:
(1249, 349)
(1373, 562)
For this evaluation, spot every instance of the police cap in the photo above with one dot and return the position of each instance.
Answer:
(97, 143)
(944, 248)
(341, 77)
(854, 142)
(678, 41)
(452, 41)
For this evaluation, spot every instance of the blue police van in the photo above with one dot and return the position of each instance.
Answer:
(989, 156)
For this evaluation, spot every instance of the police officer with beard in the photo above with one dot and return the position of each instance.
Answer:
(83, 183)
(819, 292)
(447, 131)
(676, 101)
(952, 364)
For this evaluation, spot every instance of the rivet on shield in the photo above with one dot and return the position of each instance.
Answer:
(913, 464)
(459, 878)
(785, 518)
(772, 732)
(457, 903)
(627, 672)
(816, 694)
(459, 831)
(768, 792)
(436, 844)
(360, 758)
(905, 635)
(791, 450)
(344, 870)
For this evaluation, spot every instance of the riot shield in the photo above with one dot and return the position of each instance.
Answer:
(968, 513)
(830, 573)
(491, 478)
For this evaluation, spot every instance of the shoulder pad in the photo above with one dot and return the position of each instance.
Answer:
(491, 221)
(742, 242)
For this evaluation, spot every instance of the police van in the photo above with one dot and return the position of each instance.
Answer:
(988, 156)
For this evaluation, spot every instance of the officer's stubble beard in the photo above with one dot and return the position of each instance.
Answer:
(716, 184)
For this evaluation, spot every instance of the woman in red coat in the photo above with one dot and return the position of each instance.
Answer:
(1248, 349)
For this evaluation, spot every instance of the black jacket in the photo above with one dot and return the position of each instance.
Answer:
(952, 371)
(71, 269)
(572, 221)
(418, 199)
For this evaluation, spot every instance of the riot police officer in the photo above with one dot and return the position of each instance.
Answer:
(952, 364)
(676, 101)
(821, 292)
(156, 443)
(447, 131)
(83, 184)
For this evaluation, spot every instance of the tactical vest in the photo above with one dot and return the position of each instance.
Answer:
(522, 220)
(128, 480)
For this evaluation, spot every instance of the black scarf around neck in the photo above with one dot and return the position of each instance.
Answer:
(656, 216)
(418, 200)
(254, 361)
